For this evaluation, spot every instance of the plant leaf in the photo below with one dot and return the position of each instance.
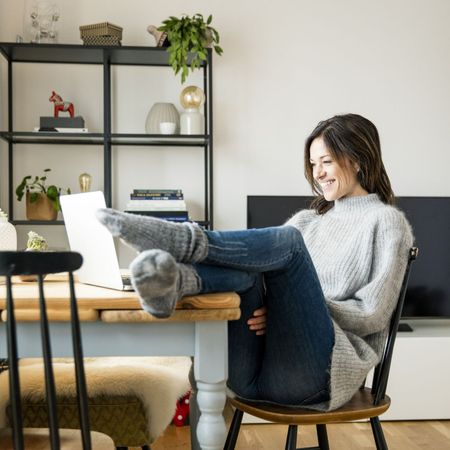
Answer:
(52, 192)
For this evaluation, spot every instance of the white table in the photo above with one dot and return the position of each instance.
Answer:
(114, 325)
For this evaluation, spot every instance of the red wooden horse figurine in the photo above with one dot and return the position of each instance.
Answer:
(61, 105)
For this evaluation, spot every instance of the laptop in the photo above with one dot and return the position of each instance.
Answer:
(95, 243)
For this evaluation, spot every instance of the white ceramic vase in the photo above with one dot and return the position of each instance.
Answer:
(8, 234)
(159, 113)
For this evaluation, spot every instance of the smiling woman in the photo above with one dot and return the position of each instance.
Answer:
(343, 159)
(323, 286)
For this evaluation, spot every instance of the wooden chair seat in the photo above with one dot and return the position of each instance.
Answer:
(38, 439)
(359, 407)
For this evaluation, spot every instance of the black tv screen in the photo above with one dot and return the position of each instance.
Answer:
(428, 293)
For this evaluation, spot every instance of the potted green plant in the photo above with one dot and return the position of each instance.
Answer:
(42, 201)
(189, 38)
(35, 243)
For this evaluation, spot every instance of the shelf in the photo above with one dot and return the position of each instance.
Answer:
(203, 223)
(82, 54)
(180, 140)
(27, 137)
(37, 222)
(105, 57)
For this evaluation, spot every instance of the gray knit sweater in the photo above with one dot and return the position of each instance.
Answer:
(360, 250)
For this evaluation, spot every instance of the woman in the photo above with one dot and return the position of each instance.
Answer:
(329, 277)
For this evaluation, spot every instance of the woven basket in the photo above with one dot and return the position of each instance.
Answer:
(101, 40)
(101, 29)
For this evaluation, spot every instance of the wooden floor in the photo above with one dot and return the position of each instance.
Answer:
(417, 435)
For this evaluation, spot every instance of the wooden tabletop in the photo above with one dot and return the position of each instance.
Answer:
(109, 305)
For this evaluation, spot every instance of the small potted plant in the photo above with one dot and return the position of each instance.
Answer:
(42, 201)
(189, 38)
(35, 243)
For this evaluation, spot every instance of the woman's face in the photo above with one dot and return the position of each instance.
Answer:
(335, 181)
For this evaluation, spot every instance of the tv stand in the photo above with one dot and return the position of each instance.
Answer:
(420, 372)
(404, 327)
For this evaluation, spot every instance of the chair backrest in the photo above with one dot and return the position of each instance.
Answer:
(40, 264)
(381, 373)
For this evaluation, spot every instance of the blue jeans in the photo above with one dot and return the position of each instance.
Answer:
(290, 364)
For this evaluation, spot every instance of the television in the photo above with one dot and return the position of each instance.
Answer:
(428, 293)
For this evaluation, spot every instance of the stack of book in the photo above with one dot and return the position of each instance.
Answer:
(166, 204)
(62, 124)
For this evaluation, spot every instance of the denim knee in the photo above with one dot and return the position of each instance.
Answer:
(249, 280)
(292, 237)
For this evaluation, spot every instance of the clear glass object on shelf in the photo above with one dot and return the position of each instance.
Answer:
(40, 21)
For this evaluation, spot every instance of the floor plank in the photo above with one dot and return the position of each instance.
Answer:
(413, 435)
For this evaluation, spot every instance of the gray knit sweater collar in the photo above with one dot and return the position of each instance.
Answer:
(353, 204)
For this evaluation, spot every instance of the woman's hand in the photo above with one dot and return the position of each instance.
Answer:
(257, 323)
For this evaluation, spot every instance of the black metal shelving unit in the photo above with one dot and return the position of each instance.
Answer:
(106, 56)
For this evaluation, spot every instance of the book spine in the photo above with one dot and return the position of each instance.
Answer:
(159, 213)
(181, 216)
(158, 203)
(158, 191)
(155, 197)
(60, 130)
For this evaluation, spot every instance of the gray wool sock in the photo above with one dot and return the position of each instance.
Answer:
(160, 281)
(186, 242)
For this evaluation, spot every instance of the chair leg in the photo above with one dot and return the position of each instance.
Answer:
(378, 434)
(322, 437)
(233, 432)
(146, 447)
(291, 440)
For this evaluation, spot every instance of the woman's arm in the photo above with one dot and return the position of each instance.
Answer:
(370, 308)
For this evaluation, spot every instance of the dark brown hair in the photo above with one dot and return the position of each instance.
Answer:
(350, 138)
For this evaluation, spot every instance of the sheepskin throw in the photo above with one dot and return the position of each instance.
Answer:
(157, 381)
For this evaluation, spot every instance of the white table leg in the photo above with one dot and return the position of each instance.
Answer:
(211, 430)
(210, 371)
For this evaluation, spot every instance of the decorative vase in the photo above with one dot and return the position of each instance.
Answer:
(161, 112)
(8, 234)
(41, 209)
(192, 120)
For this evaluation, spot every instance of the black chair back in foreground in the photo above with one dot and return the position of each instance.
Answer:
(41, 264)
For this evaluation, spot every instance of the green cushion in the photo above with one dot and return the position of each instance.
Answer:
(121, 417)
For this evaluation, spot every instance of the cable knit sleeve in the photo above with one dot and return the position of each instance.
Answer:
(301, 219)
(369, 309)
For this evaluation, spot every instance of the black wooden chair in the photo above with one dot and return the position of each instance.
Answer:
(18, 438)
(367, 403)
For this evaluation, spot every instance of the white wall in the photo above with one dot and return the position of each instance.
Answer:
(286, 65)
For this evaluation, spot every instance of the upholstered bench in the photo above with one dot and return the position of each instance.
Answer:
(131, 399)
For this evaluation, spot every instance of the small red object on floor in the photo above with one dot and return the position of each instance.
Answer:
(181, 416)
